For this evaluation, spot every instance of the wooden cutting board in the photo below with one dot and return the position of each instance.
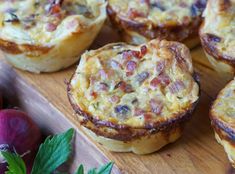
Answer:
(44, 97)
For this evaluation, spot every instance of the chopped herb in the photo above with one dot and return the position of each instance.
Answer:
(13, 18)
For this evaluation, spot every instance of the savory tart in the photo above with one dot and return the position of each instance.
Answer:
(217, 34)
(48, 35)
(222, 117)
(142, 20)
(134, 98)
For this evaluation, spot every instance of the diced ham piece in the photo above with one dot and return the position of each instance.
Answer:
(138, 112)
(103, 87)
(126, 55)
(50, 27)
(127, 88)
(162, 79)
(93, 94)
(143, 50)
(128, 74)
(156, 106)
(176, 86)
(115, 99)
(145, 1)
(136, 54)
(55, 9)
(147, 116)
(131, 66)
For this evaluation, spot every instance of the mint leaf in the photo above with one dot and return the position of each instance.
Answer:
(16, 164)
(80, 170)
(53, 152)
(105, 169)
(92, 171)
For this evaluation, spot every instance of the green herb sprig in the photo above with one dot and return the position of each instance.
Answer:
(51, 154)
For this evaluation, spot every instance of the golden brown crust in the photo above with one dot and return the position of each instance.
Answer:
(13, 48)
(217, 34)
(222, 120)
(208, 42)
(151, 31)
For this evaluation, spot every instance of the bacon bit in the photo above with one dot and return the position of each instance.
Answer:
(127, 88)
(161, 79)
(160, 67)
(147, 116)
(142, 77)
(136, 54)
(138, 112)
(143, 50)
(51, 27)
(115, 99)
(145, 1)
(133, 13)
(55, 9)
(93, 94)
(131, 66)
(128, 74)
(128, 54)
(156, 106)
(176, 86)
(114, 64)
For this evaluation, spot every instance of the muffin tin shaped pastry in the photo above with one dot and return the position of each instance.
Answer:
(142, 20)
(134, 98)
(46, 36)
(222, 117)
(217, 34)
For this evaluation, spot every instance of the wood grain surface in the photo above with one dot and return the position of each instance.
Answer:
(197, 152)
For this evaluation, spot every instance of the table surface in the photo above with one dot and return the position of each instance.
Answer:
(196, 152)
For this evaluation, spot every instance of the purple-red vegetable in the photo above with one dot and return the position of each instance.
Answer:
(19, 134)
(1, 101)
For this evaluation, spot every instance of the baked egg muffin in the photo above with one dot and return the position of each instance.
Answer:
(142, 20)
(222, 117)
(134, 98)
(217, 34)
(48, 35)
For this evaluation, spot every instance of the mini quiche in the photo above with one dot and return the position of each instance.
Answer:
(222, 116)
(48, 35)
(134, 98)
(217, 34)
(142, 20)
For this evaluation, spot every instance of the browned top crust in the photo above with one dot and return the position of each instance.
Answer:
(125, 88)
(218, 30)
(158, 19)
(222, 113)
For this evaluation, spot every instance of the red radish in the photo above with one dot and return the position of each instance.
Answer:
(18, 133)
(1, 101)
